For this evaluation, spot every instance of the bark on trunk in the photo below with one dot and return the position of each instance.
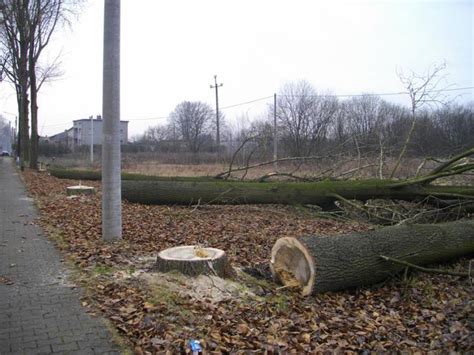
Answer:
(34, 113)
(23, 87)
(94, 175)
(193, 190)
(24, 130)
(320, 264)
(319, 193)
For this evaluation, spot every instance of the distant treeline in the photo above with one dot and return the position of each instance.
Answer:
(308, 123)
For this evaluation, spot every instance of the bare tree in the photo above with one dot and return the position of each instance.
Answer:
(3, 60)
(43, 17)
(156, 134)
(456, 126)
(363, 115)
(193, 121)
(303, 116)
(422, 90)
(26, 28)
(14, 42)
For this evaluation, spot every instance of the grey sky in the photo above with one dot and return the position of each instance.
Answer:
(172, 49)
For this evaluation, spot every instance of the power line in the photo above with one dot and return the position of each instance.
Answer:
(247, 102)
(56, 125)
(454, 89)
(379, 94)
(344, 95)
(149, 118)
(404, 92)
(269, 97)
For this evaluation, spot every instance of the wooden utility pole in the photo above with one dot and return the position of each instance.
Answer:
(218, 134)
(111, 180)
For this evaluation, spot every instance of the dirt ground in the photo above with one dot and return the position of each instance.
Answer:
(156, 313)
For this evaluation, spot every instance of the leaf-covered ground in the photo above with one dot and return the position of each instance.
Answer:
(418, 312)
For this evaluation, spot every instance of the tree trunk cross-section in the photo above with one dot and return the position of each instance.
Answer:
(193, 261)
(80, 190)
(320, 264)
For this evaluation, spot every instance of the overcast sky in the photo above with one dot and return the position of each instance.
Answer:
(172, 49)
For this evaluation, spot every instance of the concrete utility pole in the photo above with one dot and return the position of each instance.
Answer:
(92, 140)
(275, 133)
(111, 179)
(218, 134)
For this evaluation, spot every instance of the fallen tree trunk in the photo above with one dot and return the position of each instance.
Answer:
(319, 264)
(194, 190)
(322, 193)
(95, 175)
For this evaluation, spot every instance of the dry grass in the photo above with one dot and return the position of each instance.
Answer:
(159, 169)
(344, 167)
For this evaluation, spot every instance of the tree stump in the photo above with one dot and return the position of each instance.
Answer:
(193, 260)
(80, 190)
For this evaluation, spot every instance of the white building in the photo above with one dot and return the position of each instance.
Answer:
(87, 130)
(90, 129)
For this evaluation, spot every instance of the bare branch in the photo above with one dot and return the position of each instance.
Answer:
(450, 162)
(422, 89)
(225, 175)
(425, 269)
(269, 162)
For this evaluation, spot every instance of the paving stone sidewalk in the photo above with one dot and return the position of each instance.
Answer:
(40, 313)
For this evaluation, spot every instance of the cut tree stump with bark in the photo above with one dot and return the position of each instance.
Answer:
(193, 260)
(80, 190)
(330, 263)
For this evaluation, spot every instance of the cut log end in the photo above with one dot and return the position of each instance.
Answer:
(322, 263)
(193, 261)
(292, 265)
(80, 190)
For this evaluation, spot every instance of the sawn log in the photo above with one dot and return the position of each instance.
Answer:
(331, 263)
(322, 193)
(204, 190)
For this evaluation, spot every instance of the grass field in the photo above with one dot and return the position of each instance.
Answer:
(342, 167)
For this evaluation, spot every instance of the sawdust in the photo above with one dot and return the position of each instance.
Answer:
(287, 278)
(212, 288)
(201, 252)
